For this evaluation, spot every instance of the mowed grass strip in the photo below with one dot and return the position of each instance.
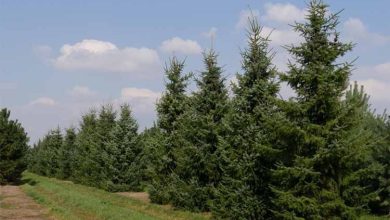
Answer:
(73, 201)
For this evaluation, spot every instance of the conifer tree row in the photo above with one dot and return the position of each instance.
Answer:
(104, 153)
(322, 154)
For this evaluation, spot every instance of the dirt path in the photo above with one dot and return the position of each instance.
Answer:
(15, 204)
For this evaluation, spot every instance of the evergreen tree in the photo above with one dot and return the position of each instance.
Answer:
(170, 108)
(13, 148)
(47, 154)
(381, 204)
(248, 153)
(152, 152)
(100, 155)
(124, 151)
(86, 145)
(328, 148)
(361, 170)
(379, 125)
(67, 154)
(198, 171)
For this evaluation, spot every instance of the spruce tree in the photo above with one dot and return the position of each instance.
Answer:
(86, 145)
(150, 158)
(124, 150)
(100, 155)
(198, 171)
(13, 148)
(68, 154)
(247, 152)
(47, 154)
(170, 108)
(328, 147)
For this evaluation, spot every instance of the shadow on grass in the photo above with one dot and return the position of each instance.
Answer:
(28, 181)
(20, 182)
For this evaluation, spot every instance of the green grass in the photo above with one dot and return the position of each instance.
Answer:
(69, 201)
(66, 200)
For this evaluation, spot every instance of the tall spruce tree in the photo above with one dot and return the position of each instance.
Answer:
(150, 140)
(86, 145)
(52, 147)
(170, 109)
(248, 153)
(46, 154)
(67, 154)
(100, 155)
(326, 151)
(198, 171)
(13, 148)
(124, 150)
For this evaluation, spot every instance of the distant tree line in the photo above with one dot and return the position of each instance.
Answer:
(323, 154)
(104, 153)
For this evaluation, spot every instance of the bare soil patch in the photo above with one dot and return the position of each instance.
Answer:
(141, 196)
(15, 204)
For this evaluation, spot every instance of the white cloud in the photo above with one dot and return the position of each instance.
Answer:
(139, 94)
(142, 102)
(358, 32)
(178, 45)
(212, 33)
(379, 72)
(104, 56)
(378, 91)
(244, 17)
(376, 82)
(283, 13)
(81, 91)
(139, 98)
(383, 69)
(281, 37)
(43, 101)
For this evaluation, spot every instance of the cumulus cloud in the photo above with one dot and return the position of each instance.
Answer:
(283, 13)
(281, 37)
(142, 101)
(244, 17)
(212, 33)
(43, 101)
(376, 82)
(178, 45)
(136, 96)
(358, 32)
(81, 91)
(379, 72)
(104, 56)
(378, 91)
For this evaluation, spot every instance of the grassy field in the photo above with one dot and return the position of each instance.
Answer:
(69, 201)
(66, 200)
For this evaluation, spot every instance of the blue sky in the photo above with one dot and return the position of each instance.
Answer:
(59, 58)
